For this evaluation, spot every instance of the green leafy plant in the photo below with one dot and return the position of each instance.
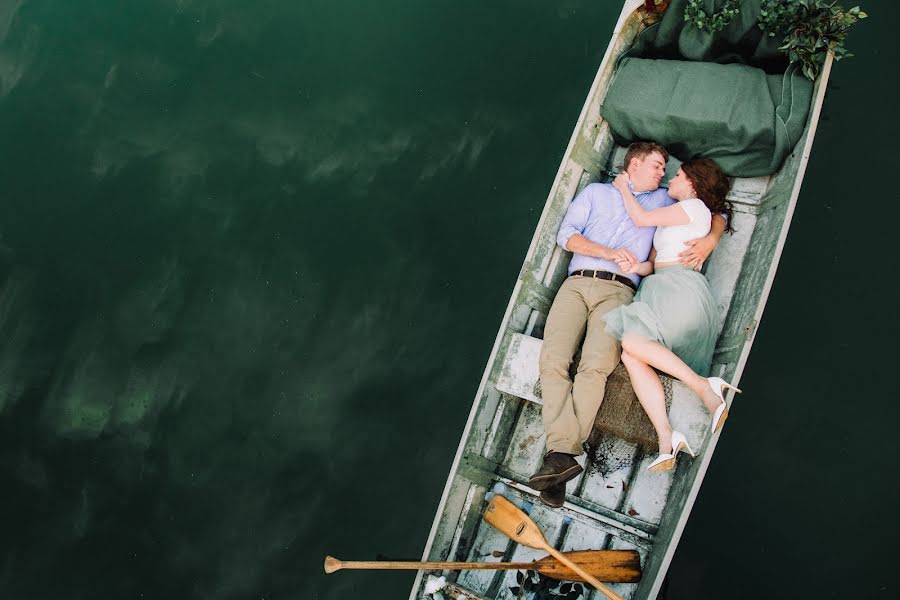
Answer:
(776, 16)
(810, 28)
(717, 21)
(545, 588)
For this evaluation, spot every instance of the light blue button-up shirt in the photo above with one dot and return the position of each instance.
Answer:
(598, 213)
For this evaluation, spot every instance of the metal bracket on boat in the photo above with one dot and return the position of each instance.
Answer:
(538, 296)
(587, 157)
(478, 469)
(729, 348)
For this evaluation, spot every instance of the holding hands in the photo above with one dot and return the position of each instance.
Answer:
(624, 259)
(628, 268)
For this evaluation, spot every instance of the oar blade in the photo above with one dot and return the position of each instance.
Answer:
(613, 566)
(508, 519)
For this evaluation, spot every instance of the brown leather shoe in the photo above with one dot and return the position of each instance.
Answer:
(558, 467)
(554, 496)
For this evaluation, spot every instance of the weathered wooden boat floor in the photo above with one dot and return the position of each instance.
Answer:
(616, 503)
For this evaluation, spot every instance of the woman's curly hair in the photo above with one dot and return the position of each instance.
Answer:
(711, 185)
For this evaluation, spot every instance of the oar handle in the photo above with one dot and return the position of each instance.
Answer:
(332, 564)
(589, 578)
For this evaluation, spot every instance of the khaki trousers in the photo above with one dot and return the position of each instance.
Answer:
(577, 314)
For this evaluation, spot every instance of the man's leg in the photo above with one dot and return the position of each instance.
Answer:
(563, 334)
(600, 354)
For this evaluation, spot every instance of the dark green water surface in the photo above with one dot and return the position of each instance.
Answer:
(254, 256)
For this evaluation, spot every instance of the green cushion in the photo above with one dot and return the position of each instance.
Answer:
(745, 120)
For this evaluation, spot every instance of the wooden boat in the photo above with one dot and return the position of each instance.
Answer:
(615, 504)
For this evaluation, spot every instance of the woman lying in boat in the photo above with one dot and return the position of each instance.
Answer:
(673, 323)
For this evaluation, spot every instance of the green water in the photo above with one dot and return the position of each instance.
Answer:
(254, 256)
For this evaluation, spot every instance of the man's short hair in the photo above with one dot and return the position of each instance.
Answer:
(640, 150)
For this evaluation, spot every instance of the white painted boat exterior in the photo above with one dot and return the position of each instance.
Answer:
(616, 503)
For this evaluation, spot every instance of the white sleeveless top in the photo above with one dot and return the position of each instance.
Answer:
(669, 240)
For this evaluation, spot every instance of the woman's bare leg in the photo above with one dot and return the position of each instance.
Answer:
(650, 392)
(658, 356)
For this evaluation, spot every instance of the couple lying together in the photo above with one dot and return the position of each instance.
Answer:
(619, 233)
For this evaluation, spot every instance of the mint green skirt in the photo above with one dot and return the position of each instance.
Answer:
(674, 307)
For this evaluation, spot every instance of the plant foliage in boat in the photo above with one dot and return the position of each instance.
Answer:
(810, 28)
(695, 14)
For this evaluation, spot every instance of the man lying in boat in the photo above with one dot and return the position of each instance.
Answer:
(601, 236)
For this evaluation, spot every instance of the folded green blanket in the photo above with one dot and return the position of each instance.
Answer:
(737, 115)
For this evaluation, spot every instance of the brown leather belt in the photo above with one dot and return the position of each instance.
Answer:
(605, 275)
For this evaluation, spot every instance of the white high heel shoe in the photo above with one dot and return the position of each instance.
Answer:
(664, 462)
(718, 386)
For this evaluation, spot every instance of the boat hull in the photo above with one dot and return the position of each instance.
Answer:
(615, 504)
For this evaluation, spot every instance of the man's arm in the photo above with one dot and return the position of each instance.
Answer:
(699, 250)
(570, 235)
(581, 245)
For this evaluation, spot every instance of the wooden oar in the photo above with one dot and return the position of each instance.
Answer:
(509, 520)
(619, 566)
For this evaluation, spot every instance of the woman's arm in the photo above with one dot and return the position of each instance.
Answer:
(668, 215)
(571, 238)
(699, 250)
(643, 269)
